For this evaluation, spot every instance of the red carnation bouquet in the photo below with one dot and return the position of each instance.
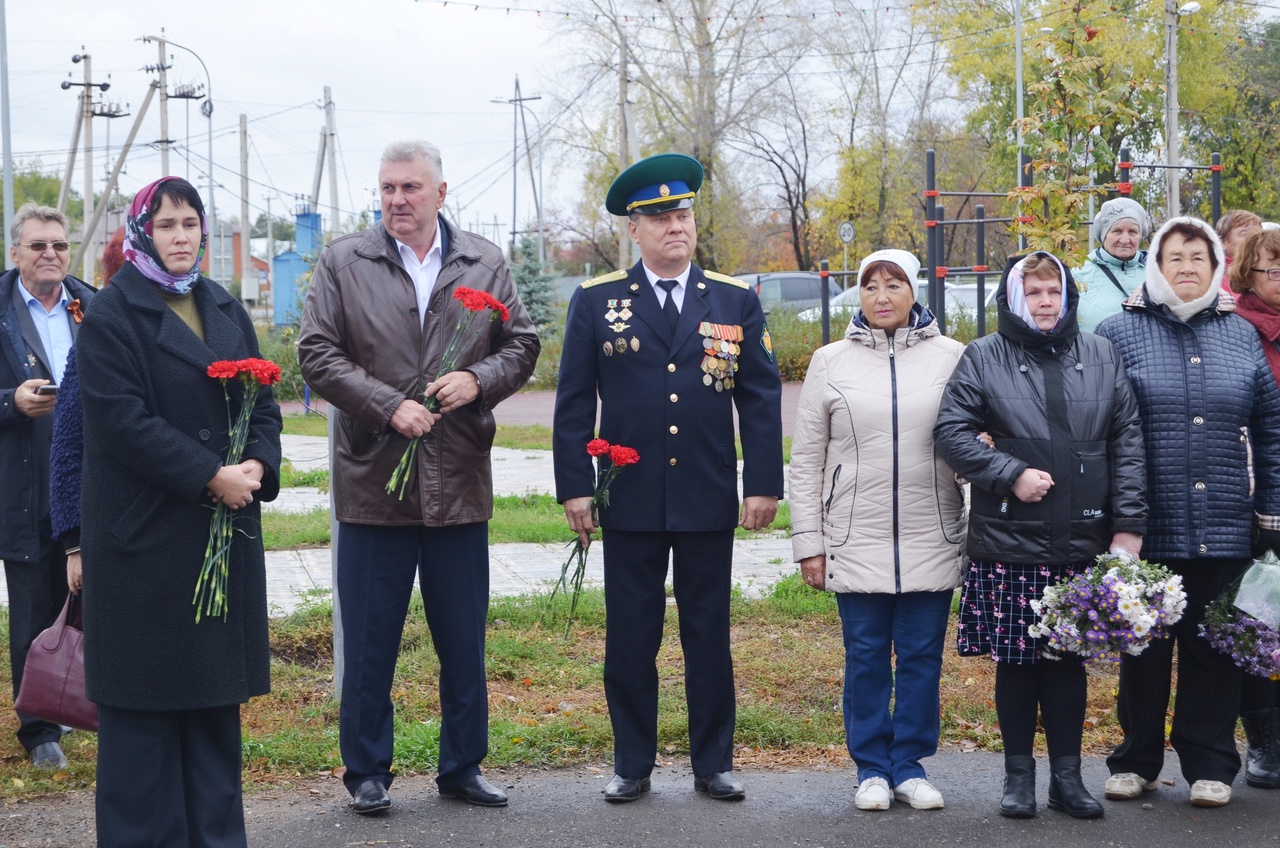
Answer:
(211, 586)
(620, 457)
(472, 320)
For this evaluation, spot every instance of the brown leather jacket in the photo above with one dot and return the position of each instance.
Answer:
(361, 350)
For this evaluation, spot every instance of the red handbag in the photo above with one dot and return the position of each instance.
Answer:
(53, 680)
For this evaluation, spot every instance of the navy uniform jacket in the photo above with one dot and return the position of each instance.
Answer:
(658, 395)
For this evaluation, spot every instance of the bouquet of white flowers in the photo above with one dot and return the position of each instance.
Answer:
(1117, 606)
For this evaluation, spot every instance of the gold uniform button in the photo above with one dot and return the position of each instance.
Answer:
(672, 461)
(671, 366)
(674, 429)
(674, 397)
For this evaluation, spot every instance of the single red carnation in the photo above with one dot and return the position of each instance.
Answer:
(597, 447)
(264, 371)
(621, 455)
(224, 369)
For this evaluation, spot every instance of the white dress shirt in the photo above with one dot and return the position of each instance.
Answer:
(424, 273)
(677, 292)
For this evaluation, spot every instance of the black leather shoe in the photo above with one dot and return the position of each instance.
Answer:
(721, 785)
(1067, 792)
(621, 789)
(1262, 738)
(476, 790)
(48, 755)
(1019, 801)
(370, 797)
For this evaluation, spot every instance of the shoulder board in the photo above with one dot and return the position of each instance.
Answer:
(725, 278)
(611, 277)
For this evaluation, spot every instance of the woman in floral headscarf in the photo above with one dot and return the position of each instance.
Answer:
(155, 435)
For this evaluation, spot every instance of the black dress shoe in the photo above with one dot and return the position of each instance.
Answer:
(48, 755)
(622, 789)
(370, 797)
(476, 790)
(721, 785)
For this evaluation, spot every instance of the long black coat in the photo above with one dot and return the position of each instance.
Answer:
(155, 430)
(1059, 402)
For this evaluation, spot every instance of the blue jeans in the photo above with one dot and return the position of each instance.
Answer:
(876, 626)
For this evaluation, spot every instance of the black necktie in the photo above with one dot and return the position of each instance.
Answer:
(669, 308)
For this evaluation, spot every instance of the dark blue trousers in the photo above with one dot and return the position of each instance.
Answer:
(376, 566)
(635, 572)
(37, 591)
(169, 778)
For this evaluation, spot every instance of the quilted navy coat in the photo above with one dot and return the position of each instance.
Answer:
(1211, 417)
(1058, 402)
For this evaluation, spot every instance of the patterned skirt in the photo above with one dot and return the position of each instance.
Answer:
(995, 609)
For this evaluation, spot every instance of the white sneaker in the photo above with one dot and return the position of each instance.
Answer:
(1210, 793)
(919, 793)
(1126, 786)
(873, 794)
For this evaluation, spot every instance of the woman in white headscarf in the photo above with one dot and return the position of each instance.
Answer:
(1211, 420)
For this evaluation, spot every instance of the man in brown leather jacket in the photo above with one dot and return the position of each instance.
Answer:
(379, 314)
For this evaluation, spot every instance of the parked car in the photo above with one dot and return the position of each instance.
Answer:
(964, 296)
(789, 289)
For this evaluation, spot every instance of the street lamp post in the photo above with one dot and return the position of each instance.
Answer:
(1173, 173)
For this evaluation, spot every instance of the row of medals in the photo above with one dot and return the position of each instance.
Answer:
(720, 363)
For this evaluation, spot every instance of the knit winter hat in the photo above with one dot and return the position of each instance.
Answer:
(1117, 209)
(904, 260)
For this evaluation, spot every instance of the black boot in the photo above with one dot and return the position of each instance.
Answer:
(1019, 801)
(1262, 748)
(1067, 792)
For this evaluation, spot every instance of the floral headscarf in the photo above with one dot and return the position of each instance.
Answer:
(140, 250)
(1016, 292)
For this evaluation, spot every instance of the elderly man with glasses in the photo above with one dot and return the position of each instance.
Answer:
(40, 309)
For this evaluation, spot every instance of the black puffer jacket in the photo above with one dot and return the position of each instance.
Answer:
(1058, 402)
(1210, 411)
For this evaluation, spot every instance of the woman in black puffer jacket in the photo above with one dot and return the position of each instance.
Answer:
(1211, 417)
(1063, 484)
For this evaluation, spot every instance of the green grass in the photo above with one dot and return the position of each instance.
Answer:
(286, 531)
(289, 478)
(523, 437)
(306, 425)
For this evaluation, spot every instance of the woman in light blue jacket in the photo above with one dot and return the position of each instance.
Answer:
(1117, 268)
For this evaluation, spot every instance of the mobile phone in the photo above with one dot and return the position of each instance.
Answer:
(47, 390)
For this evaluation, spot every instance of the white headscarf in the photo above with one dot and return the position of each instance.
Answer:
(1158, 288)
(1015, 291)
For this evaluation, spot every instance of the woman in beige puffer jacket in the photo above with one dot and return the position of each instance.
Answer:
(878, 518)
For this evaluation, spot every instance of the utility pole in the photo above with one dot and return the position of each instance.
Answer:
(248, 281)
(624, 150)
(1173, 174)
(115, 173)
(87, 246)
(515, 164)
(331, 144)
(517, 102)
(164, 107)
(5, 139)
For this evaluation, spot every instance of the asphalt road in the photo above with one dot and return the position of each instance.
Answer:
(813, 809)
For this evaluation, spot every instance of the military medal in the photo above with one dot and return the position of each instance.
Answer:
(608, 349)
(635, 344)
(620, 344)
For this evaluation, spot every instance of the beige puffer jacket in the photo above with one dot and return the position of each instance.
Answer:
(867, 489)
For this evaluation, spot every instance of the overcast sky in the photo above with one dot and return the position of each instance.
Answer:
(397, 69)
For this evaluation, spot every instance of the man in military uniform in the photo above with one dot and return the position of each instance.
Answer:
(671, 350)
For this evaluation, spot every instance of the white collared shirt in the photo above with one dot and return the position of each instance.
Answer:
(424, 273)
(53, 327)
(678, 292)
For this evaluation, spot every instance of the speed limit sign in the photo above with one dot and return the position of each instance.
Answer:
(846, 232)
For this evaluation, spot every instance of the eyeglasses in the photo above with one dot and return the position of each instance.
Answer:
(42, 246)
(1273, 274)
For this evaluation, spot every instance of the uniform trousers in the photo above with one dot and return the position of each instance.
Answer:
(37, 591)
(376, 566)
(635, 572)
(1208, 697)
(169, 778)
